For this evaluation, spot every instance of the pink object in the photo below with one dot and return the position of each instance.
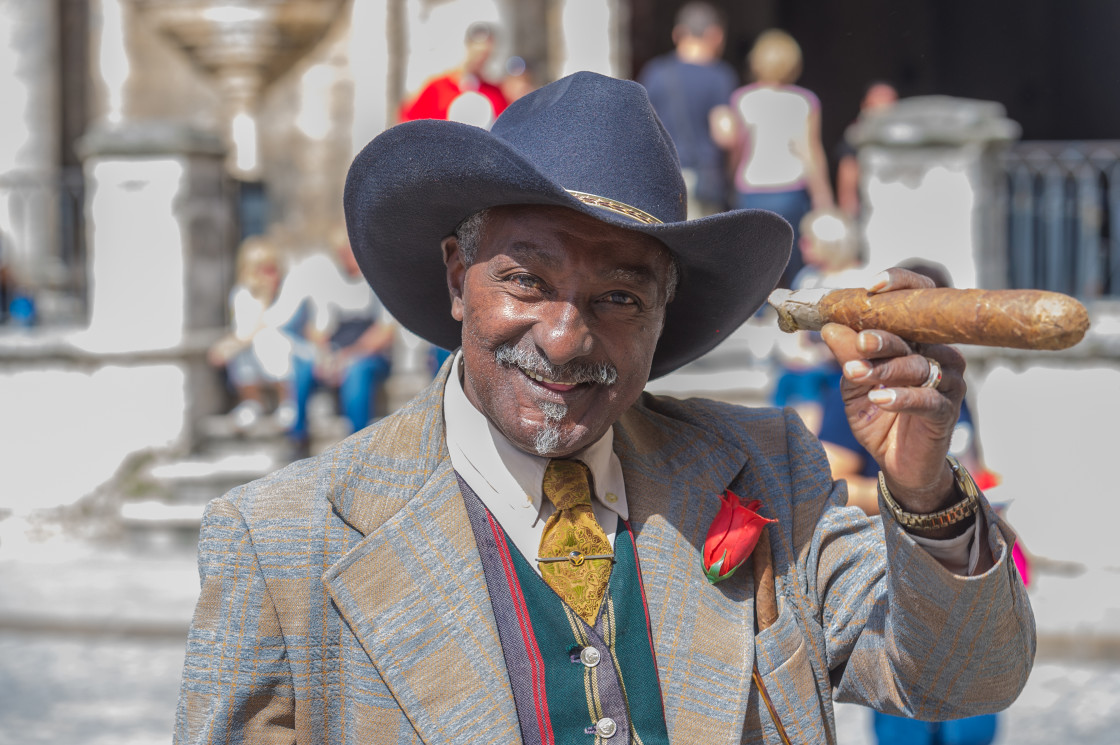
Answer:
(1022, 563)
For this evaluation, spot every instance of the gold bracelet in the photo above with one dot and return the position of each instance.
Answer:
(944, 518)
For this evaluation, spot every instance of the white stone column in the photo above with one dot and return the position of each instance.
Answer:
(592, 37)
(929, 179)
(29, 131)
(159, 240)
(369, 70)
(159, 231)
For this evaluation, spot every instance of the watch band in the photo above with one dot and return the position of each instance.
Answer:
(943, 518)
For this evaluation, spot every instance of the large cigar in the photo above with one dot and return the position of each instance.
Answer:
(1021, 319)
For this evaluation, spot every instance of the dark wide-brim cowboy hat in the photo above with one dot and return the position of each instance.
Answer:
(587, 142)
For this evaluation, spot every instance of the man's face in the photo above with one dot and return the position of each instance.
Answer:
(478, 54)
(561, 314)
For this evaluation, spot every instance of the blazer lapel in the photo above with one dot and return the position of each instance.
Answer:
(412, 590)
(703, 634)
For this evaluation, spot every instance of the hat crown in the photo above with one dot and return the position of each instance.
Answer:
(599, 135)
(412, 184)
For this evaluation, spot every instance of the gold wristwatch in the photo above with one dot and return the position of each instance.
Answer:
(944, 518)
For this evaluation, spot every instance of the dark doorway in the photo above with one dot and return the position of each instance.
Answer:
(1052, 63)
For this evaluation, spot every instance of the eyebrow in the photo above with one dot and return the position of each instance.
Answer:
(631, 273)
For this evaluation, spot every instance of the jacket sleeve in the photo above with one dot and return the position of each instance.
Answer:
(904, 635)
(237, 684)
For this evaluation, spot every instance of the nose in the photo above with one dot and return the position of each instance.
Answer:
(563, 332)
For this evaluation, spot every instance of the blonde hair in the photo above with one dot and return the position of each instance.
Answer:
(254, 252)
(775, 58)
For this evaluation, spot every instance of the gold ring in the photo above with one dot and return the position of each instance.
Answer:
(934, 378)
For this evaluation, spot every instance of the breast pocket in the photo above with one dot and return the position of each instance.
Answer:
(782, 659)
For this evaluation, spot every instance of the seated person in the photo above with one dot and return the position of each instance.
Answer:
(350, 342)
(256, 353)
(806, 367)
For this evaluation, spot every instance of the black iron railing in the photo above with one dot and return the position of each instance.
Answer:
(1063, 217)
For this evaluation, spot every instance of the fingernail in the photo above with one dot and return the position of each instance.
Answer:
(881, 396)
(869, 341)
(856, 369)
(879, 281)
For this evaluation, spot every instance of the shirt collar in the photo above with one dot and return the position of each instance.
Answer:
(511, 472)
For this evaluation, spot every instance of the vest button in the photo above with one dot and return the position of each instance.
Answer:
(605, 727)
(590, 657)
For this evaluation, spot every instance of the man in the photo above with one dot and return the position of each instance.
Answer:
(516, 555)
(462, 94)
(685, 86)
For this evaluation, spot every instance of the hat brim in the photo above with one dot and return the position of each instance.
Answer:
(413, 184)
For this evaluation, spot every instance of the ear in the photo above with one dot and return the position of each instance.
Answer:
(456, 272)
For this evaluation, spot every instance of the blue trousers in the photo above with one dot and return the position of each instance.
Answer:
(792, 205)
(891, 730)
(356, 395)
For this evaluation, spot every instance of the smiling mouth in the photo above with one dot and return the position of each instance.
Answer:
(552, 385)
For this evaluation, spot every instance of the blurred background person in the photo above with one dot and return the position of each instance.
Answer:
(685, 87)
(518, 79)
(462, 94)
(877, 97)
(257, 351)
(773, 128)
(350, 340)
(806, 368)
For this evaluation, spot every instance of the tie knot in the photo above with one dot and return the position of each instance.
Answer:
(566, 484)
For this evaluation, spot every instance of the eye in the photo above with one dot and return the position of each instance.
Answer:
(526, 281)
(621, 298)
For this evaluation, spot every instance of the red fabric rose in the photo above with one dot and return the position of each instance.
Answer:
(732, 536)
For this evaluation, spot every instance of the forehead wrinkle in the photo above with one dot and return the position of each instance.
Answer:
(552, 256)
(524, 250)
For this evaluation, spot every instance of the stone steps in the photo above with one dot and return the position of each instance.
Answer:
(166, 495)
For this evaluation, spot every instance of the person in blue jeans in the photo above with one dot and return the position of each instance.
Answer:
(349, 342)
(892, 730)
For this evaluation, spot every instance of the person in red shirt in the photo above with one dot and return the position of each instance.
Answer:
(462, 94)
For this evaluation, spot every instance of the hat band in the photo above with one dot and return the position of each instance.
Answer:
(615, 206)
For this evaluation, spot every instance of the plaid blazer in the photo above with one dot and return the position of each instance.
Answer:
(343, 599)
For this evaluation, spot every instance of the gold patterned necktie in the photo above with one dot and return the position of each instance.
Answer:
(575, 556)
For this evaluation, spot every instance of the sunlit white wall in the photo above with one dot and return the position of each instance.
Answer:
(1048, 431)
(66, 431)
(916, 209)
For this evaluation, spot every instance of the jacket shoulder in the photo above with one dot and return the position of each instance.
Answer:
(364, 478)
(780, 458)
(742, 425)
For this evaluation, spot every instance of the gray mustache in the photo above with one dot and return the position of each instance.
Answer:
(530, 359)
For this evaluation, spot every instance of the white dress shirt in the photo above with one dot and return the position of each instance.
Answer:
(508, 481)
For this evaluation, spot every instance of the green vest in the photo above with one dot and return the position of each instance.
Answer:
(572, 683)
